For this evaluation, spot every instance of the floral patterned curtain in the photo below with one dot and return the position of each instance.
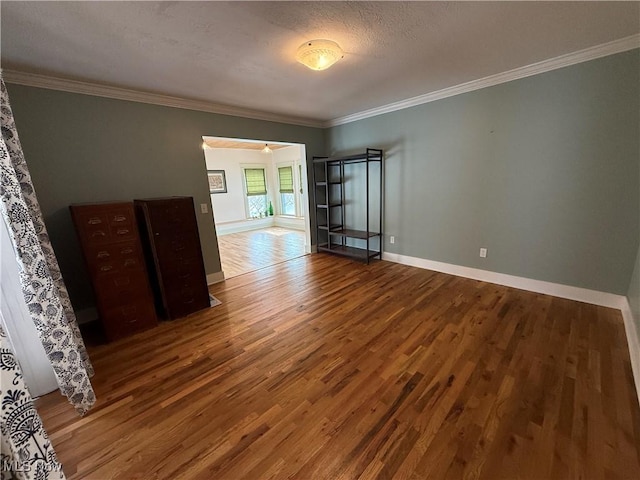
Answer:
(25, 451)
(42, 286)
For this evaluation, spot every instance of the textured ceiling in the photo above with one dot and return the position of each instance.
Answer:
(242, 53)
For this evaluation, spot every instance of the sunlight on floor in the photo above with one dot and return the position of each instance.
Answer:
(248, 251)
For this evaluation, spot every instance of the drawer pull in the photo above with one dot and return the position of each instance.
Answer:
(103, 254)
(191, 300)
(126, 251)
(129, 310)
(133, 320)
(122, 281)
(106, 268)
(94, 221)
(184, 276)
(122, 231)
(98, 233)
(129, 261)
(119, 218)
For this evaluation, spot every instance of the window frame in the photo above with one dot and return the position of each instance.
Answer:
(291, 166)
(254, 166)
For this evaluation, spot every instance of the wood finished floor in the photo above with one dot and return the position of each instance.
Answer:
(248, 251)
(321, 368)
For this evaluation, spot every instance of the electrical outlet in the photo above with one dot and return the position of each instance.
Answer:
(392, 239)
(483, 252)
(204, 208)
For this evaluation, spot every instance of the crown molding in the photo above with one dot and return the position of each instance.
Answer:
(591, 53)
(88, 88)
(98, 90)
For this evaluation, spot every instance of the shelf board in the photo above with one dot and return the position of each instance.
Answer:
(357, 158)
(332, 227)
(324, 205)
(345, 251)
(324, 184)
(349, 232)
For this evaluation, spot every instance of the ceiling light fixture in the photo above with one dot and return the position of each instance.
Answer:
(266, 149)
(319, 54)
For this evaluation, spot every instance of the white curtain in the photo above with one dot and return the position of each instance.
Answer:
(25, 451)
(42, 286)
(47, 300)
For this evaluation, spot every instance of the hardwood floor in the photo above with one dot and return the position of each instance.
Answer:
(248, 251)
(322, 368)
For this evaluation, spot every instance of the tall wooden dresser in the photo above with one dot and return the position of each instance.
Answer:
(111, 247)
(169, 233)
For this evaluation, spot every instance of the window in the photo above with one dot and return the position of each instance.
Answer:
(256, 186)
(287, 198)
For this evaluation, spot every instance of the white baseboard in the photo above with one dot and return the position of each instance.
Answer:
(594, 297)
(293, 223)
(215, 277)
(633, 339)
(86, 315)
(604, 299)
(244, 225)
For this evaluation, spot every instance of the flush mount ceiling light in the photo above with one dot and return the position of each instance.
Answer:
(319, 54)
(266, 149)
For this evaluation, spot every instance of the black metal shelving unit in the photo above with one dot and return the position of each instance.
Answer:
(334, 232)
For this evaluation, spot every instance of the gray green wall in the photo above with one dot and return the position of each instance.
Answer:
(82, 148)
(542, 171)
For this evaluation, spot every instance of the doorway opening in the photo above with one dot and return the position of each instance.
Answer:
(260, 201)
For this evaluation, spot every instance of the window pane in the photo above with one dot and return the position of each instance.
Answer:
(257, 205)
(255, 178)
(285, 175)
(288, 203)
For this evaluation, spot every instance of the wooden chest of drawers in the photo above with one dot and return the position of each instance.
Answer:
(111, 247)
(170, 238)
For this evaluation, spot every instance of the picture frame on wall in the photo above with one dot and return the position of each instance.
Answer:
(217, 181)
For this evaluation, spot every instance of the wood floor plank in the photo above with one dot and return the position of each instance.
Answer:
(324, 368)
(245, 252)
